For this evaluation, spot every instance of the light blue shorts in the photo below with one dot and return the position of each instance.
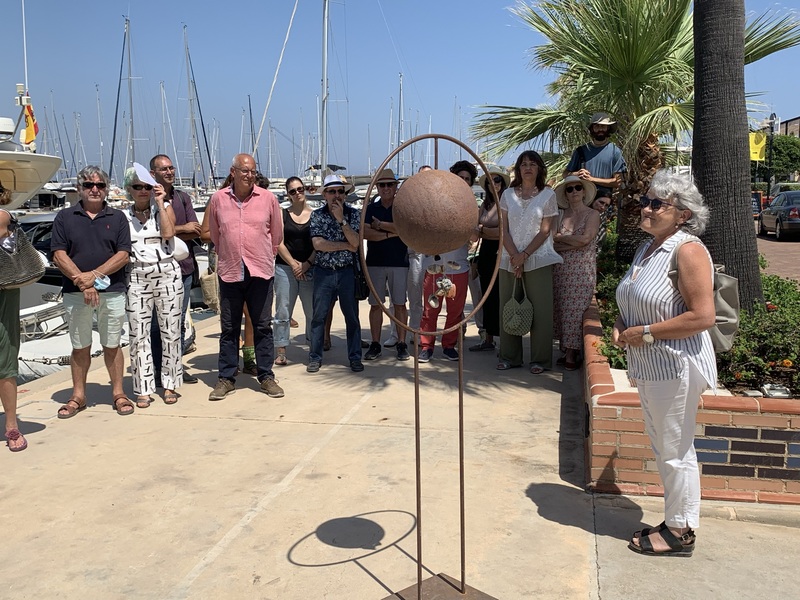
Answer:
(110, 318)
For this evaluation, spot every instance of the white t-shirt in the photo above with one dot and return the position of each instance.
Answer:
(147, 245)
(524, 222)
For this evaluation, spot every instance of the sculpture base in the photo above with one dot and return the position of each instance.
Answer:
(440, 587)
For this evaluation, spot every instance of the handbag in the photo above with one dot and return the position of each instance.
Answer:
(360, 282)
(181, 250)
(23, 266)
(518, 314)
(726, 301)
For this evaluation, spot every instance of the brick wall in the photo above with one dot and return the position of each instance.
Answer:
(748, 448)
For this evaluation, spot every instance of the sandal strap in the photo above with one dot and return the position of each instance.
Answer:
(674, 542)
(13, 435)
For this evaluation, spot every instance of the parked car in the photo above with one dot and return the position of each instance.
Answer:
(782, 216)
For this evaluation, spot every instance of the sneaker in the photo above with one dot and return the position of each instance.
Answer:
(356, 366)
(313, 366)
(189, 378)
(271, 388)
(425, 355)
(402, 351)
(364, 344)
(250, 369)
(373, 352)
(450, 353)
(390, 342)
(222, 389)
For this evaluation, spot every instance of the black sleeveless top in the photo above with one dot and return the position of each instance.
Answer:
(296, 238)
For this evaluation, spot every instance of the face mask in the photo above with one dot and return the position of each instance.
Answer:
(102, 283)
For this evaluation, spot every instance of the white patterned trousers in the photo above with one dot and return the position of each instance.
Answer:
(160, 286)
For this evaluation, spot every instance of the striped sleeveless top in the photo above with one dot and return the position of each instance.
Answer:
(646, 296)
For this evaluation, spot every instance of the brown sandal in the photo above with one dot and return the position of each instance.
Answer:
(120, 402)
(73, 406)
(171, 398)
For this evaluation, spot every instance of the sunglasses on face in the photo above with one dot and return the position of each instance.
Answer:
(337, 191)
(87, 185)
(298, 190)
(654, 203)
(574, 188)
(387, 184)
(497, 180)
(142, 186)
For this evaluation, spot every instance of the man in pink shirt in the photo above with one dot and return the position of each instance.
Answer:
(245, 226)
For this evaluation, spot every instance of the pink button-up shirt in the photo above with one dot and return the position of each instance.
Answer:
(246, 233)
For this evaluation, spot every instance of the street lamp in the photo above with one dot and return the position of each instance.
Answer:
(772, 118)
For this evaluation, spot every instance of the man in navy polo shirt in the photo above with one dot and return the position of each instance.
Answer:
(91, 244)
(387, 261)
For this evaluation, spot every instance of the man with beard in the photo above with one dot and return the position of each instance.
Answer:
(600, 161)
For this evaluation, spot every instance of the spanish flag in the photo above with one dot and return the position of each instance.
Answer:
(31, 126)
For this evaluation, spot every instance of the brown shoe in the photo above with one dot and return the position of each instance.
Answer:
(222, 389)
(271, 388)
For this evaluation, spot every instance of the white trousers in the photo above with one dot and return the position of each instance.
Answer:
(158, 285)
(670, 417)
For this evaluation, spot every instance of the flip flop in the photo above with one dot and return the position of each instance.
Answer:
(144, 403)
(171, 398)
(504, 365)
(120, 402)
(536, 369)
(12, 435)
(70, 411)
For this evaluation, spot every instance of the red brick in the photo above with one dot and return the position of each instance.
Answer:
(609, 425)
(604, 413)
(795, 423)
(732, 403)
(729, 495)
(634, 439)
(599, 373)
(598, 474)
(719, 483)
(793, 487)
(620, 399)
(654, 490)
(630, 463)
(632, 413)
(601, 450)
(627, 451)
(604, 438)
(780, 405)
(639, 477)
(760, 421)
(599, 389)
(765, 485)
(713, 418)
(770, 498)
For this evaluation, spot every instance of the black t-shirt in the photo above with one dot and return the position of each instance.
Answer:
(296, 238)
(391, 252)
(91, 242)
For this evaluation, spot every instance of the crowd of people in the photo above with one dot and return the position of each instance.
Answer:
(134, 265)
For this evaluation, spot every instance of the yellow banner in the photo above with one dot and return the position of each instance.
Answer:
(758, 144)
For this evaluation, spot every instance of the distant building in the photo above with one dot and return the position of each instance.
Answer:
(790, 127)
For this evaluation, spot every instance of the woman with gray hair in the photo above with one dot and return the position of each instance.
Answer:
(154, 282)
(664, 328)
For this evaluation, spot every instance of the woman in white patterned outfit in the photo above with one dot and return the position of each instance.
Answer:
(154, 280)
(670, 355)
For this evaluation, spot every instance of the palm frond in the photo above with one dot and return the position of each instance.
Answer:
(769, 33)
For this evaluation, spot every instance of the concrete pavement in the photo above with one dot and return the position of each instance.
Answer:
(311, 496)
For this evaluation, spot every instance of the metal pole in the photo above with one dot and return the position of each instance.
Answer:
(772, 118)
(323, 121)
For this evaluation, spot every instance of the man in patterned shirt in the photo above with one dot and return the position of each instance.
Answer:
(334, 234)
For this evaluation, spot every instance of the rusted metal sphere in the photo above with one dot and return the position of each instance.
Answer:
(435, 212)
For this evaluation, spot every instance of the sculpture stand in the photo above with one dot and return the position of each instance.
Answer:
(440, 587)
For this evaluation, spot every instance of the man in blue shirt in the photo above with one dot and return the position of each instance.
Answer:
(600, 161)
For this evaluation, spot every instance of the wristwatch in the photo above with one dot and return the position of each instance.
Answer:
(647, 337)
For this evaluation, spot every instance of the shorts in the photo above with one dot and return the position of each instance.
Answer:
(395, 278)
(110, 319)
(9, 333)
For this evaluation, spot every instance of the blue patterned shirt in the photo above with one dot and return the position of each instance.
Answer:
(322, 224)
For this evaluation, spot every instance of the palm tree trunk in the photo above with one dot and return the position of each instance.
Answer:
(720, 146)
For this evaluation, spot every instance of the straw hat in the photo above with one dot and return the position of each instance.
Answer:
(589, 191)
(494, 170)
(387, 175)
(336, 180)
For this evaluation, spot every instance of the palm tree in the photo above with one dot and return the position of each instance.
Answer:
(632, 58)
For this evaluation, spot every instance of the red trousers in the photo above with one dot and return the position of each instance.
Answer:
(455, 310)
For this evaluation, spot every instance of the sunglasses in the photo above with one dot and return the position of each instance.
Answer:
(87, 185)
(296, 191)
(574, 188)
(497, 180)
(654, 203)
(387, 184)
(141, 186)
(338, 191)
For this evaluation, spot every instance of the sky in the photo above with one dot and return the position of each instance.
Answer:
(454, 57)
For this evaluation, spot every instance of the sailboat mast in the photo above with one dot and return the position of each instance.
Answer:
(163, 115)
(99, 122)
(323, 125)
(24, 47)
(132, 137)
(192, 123)
(399, 126)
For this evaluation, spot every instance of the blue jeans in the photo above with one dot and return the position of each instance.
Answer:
(257, 294)
(155, 334)
(287, 289)
(328, 284)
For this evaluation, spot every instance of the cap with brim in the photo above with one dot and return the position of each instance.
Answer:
(143, 175)
(386, 176)
(494, 171)
(589, 191)
(602, 118)
(336, 181)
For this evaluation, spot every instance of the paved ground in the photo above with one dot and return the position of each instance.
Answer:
(311, 496)
(783, 258)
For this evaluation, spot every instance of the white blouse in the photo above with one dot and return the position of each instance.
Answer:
(525, 218)
(147, 245)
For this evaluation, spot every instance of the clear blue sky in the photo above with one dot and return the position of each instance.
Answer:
(454, 56)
